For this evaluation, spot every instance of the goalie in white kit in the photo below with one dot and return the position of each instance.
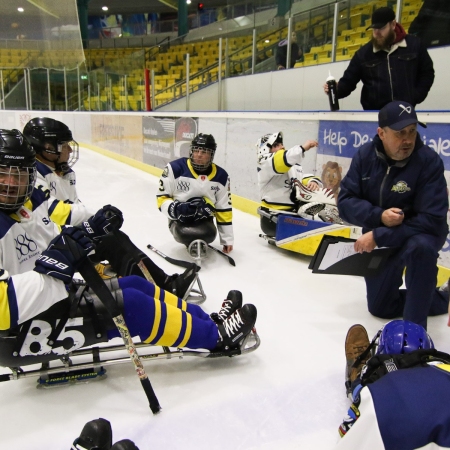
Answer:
(285, 189)
(37, 263)
(56, 153)
(193, 191)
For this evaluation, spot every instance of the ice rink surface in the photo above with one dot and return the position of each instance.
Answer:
(288, 394)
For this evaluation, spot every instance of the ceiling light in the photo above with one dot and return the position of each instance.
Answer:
(20, 9)
(104, 8)
(267, 41)
(188, 2)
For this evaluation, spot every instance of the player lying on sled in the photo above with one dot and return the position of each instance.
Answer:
(42, 318)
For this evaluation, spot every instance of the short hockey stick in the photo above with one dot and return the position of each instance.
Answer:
(220, 252)
(94, 280)
(176, 262)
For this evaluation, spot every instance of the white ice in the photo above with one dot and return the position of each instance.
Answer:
(288, 394)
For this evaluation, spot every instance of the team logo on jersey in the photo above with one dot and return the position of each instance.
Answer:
(24, 214)
(183, 186)
(165, 174)
(24, 245)
(202, 177)
(401, 187)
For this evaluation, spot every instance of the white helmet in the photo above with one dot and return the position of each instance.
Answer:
(264, 144)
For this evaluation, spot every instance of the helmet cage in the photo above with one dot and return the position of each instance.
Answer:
(50, 135)
(16, 186)
(17, 170)
(265, 143)
(199, 166)
(202, 143)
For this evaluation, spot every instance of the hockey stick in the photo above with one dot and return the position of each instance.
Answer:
(94, 280)
(176, 262)
(220, 252)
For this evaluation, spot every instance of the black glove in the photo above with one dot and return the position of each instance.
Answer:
(64, 253)
(104, 221)
(191, 211)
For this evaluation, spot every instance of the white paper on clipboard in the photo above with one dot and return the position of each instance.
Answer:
(335, 252)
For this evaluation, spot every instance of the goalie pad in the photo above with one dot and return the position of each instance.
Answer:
(305, 195)
(320, 212)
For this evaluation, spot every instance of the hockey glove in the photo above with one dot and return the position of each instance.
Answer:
(64, 253)
(191, 211)
(104, 221)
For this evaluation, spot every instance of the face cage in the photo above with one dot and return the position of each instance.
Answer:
(198, 166)
(73, 157)
(14, 195)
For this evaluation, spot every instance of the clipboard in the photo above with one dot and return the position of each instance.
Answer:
(336, 255)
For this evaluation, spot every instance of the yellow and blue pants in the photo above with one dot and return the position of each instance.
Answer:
(161, 318)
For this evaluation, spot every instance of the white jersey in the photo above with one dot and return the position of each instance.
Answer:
(23, 236)
(276, 174)
(62, 187)
(179, 181)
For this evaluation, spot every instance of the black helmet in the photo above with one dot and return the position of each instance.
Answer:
(18, 163)
(42, 131)
(203, 142)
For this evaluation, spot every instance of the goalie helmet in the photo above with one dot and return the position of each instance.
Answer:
(50, 135)
(17, 170)
(205, 143)
(265, 143)
(403, 336)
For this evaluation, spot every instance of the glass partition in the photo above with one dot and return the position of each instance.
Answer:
(51, 71)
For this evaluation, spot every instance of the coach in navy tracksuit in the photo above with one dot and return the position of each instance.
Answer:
(395, 189)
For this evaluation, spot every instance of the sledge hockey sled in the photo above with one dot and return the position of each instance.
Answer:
(69, 342)
(301, 235)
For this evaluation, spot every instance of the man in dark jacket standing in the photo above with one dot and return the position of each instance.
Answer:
(395, 189)
(392, 66)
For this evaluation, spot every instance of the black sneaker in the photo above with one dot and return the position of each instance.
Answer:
(179, 284)
(232, 303)
(124, 444)
(96, 434)
(236, 327)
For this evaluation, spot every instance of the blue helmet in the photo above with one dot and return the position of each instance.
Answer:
(402, 336)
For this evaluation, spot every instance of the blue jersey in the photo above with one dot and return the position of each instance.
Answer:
(406, 409)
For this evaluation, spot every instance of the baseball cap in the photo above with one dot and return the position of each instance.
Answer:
(398, 115)
(381, 17)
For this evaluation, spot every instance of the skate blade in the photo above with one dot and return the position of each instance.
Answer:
(61, 379)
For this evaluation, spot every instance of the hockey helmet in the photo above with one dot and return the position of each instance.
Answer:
(17, 170)
(265, 143)
(403, 336)
(206, 143)
(50, 135)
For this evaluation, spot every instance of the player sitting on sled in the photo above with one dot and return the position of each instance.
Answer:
(194, 190)
(285, 189)
(38, 261)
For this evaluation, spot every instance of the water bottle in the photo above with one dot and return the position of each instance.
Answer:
(332, 93)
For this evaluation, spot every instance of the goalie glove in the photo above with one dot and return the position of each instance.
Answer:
(320, 212)
(191, 211)
(303, 194)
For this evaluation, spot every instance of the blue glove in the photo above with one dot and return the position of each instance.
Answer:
(104, 221)
(64, 253)
(191, 211)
